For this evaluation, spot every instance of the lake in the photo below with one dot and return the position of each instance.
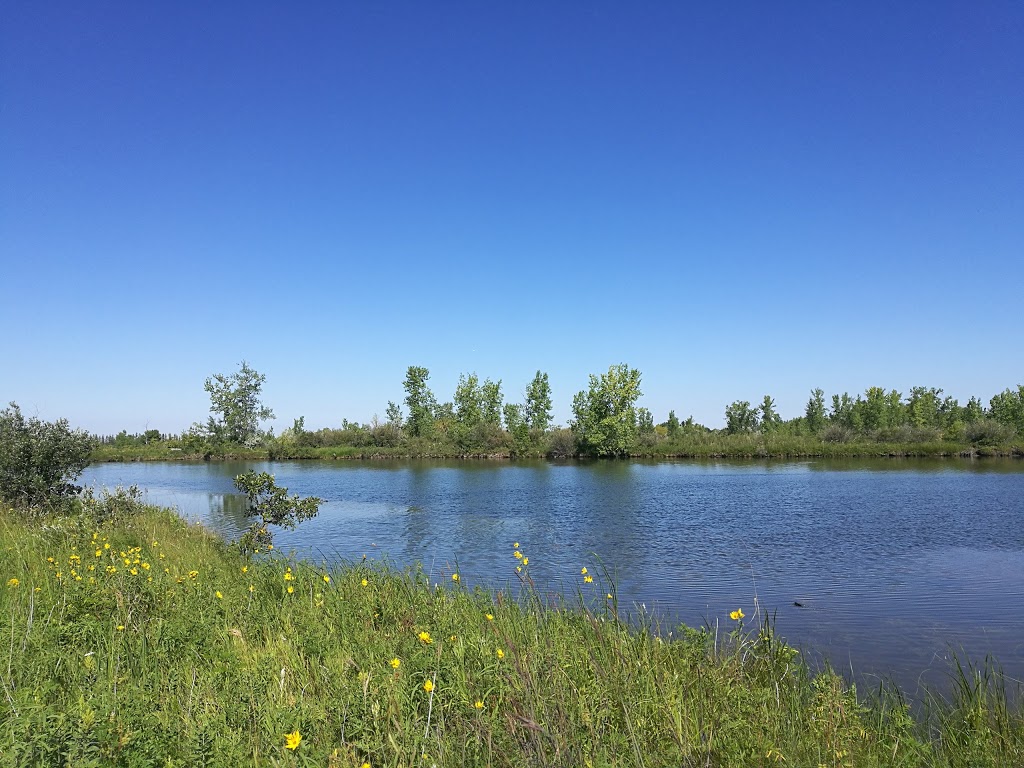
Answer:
(894, 563)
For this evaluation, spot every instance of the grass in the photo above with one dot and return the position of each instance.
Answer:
(143, 640)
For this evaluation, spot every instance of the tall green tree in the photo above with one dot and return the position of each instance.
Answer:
(490, 400)
(740, 418)
(814, 412)
(420, 401)
(605, 418)
(538, 403)
(235, 405)
(672, 425)
(468, 401)
(770, 419)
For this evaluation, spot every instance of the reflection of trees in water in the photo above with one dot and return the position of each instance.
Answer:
(228, 514)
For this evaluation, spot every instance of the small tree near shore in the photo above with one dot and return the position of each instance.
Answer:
(272, 506)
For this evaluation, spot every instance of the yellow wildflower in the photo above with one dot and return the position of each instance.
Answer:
(518, 555)
(425, 637)
(588, 579)
(478, 704)
(218, 595)
(120, 627)
(13, 582)
(455, 577)
(292, 740)
(500, 653)
(396, 663)
(583, 570)
(290, 589)
(193, 574)
(489, 616)
(245, 569)
(526, 561)
(288, 576)
(327, 579)
(516, 545)
(519, 569)
(737, 614)
(428, 686)
(134, 571)
(364, 582)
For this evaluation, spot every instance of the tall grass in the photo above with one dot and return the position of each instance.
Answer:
(143, 640)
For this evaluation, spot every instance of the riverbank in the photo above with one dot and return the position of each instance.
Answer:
(144, 638)
(710, 447)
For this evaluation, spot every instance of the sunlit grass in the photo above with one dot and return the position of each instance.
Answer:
(149, 641)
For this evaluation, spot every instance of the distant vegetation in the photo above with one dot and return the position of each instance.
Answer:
(606, 422)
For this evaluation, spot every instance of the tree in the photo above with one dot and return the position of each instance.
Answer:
(39, 460)
(644, 421)
(538, 403)
(605, 414)
(740, 417)
(468, 401)
(273, 506)
(1008, 408)
(770, 420)
(517, 428)
(672, 425)
(814, 413)
(420, 400)
(393, 414)
(235, 400)
(490, 402)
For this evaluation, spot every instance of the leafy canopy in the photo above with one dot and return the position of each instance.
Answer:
(605, 416)
(235, 400)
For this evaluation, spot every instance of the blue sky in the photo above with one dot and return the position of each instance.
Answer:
(737, 199)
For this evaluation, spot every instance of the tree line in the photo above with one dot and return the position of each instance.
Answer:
(606, 420)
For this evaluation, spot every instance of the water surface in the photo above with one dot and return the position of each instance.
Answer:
(894, 563)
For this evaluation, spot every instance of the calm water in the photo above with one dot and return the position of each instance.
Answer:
(894, 562)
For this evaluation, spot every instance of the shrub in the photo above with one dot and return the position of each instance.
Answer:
(118, 505)
(39, 460)
(988, 432)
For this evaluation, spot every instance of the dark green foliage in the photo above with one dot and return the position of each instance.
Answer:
(39, 460)
(272, 506)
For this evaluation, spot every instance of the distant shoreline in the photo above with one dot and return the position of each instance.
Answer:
(764, 451)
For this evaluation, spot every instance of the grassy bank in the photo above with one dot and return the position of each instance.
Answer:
(710, 446)
(147, 641)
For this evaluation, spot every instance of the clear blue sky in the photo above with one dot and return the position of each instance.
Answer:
(735, 198)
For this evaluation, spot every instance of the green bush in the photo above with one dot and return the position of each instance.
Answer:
(39, 460)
